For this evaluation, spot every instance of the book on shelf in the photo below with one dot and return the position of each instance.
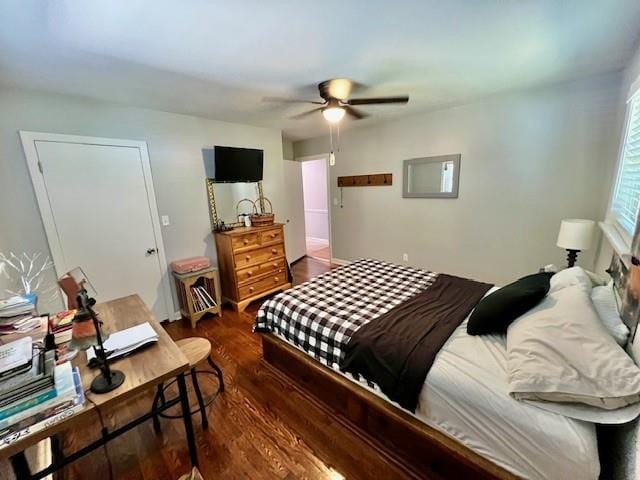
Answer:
(201, 298)
(45, 417)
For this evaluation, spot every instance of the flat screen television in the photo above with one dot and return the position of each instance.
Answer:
(231, 164)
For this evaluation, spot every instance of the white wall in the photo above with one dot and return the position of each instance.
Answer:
(174, 141)
(529, 159)
(316, 215)
(630, 83)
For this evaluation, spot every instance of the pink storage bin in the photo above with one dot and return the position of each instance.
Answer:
(192, 264)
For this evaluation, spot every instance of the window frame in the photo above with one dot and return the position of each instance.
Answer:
(612, 218)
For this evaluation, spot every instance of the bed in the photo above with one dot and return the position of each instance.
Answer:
(464, 424)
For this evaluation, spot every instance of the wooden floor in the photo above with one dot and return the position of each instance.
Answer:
(318, 250)
(262, 427)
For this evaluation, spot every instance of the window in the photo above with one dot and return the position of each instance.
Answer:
(626, 197)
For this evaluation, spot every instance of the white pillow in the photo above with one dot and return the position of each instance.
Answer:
(604, 301)
(560, 351)
(569, 277)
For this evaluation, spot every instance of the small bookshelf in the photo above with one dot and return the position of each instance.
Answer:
(198, 294)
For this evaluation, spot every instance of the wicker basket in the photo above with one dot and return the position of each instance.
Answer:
(262, 219)
(253, 209)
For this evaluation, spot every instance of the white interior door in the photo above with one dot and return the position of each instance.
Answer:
(98, 216)
(294, 218)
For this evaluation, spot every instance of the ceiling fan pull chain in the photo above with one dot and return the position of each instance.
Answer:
(332, 156)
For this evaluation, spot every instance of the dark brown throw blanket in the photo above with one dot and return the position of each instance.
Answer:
(397, 349)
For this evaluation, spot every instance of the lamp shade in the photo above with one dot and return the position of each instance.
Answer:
(575, 234)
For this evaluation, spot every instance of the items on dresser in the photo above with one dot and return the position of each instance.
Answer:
(198, 293)
(252, 263)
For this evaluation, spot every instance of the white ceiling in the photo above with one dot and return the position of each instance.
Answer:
(218, 58)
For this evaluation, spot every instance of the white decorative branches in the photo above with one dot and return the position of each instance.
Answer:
(26, 271)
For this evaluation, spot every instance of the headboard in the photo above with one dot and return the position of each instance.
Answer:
(619, 445)
(626, 282)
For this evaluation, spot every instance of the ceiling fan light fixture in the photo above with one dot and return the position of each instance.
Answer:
(333, 114)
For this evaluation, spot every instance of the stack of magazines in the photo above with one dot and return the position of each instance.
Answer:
(201, 298)
(37, 396)
(18, 314)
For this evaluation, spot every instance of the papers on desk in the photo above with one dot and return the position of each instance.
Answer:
(126, 341)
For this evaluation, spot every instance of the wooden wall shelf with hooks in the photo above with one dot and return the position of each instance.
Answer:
(373, 180)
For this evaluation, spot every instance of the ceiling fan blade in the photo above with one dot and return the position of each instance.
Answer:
(289, 100)
(305, 114)
(355, 113)
(377, 100)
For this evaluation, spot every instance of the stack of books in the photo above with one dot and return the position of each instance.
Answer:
(201, 298)
(60, 326)
(18, 315)
(36, 393)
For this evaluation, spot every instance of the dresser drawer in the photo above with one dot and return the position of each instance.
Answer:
(271, 235)
(267, 283)
(249, 240)
(248, 275)
(259, 255)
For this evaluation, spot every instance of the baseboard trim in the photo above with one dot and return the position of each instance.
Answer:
(297, 260)
(339, 261)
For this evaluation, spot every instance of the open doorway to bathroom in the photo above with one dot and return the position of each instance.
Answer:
(316, 208)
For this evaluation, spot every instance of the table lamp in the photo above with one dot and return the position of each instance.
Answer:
(86, 333)
(575, 235)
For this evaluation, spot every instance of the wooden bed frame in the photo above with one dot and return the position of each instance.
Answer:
(424, 451)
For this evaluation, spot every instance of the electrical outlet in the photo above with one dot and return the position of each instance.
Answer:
(165, 220)
(405, 257)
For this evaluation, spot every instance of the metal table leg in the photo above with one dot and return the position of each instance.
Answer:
(20, 466)
(186, 416)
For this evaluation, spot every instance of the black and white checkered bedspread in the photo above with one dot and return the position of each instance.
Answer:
(321, 315)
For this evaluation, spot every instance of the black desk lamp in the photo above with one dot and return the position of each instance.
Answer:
(85, 333)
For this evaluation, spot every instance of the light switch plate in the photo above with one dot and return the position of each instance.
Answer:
(165, 220)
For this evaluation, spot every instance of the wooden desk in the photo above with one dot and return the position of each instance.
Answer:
(144, 370)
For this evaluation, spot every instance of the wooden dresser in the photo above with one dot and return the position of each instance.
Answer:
(252, 263)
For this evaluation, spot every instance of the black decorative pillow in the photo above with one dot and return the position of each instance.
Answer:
(496, 311)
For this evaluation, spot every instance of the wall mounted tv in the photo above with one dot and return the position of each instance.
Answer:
(231, 164)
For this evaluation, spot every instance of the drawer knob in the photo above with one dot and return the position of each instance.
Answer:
(249, 273)
(247, 258)
(274, 235)
(275, 279)
(274, 265)
(246, 240)
(251, 289)
(274, 251)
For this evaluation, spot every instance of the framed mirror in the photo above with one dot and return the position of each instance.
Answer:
(431, 177)
(223, 199)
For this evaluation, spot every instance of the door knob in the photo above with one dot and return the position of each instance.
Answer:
(151, 251)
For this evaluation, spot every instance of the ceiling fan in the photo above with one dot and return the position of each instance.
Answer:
(336, 102)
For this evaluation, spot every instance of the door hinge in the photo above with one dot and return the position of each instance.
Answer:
(40, 167)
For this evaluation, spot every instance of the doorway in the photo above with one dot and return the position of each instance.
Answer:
(99, 211)
(315, 186)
